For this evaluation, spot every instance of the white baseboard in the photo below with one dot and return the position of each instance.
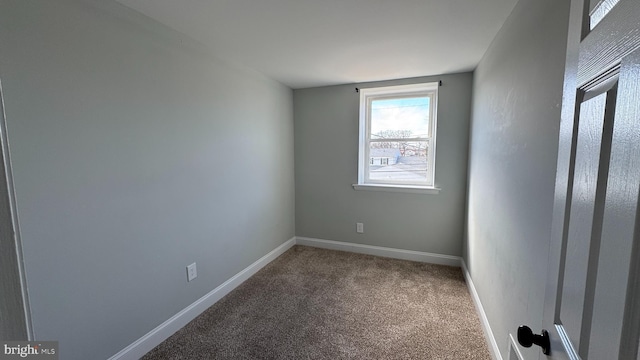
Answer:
(491, 340)
(179, 320)
(381, 251)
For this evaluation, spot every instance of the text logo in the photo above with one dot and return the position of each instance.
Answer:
(28, 350)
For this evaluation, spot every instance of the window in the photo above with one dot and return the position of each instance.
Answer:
(397, 137)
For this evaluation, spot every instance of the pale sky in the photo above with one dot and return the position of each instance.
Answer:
(400, 114)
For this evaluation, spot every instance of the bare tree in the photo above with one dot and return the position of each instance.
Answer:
(395, 140)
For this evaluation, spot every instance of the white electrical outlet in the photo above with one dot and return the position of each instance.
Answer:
(360, 228)
(192, 272)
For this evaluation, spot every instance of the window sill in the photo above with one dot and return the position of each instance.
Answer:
(398, 188)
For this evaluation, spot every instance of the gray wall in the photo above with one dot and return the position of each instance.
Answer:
(326, 165)
(135, 153)
(512, 164)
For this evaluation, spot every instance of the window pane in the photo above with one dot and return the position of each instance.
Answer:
(400, 118)
(398, 161)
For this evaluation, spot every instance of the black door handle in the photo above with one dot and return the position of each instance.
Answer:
(526, 338)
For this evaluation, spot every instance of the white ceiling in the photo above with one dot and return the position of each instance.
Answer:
(306, 43)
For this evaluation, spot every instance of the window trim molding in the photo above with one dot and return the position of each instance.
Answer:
(398, 188)
(366, 97)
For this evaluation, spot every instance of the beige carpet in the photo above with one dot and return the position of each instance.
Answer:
(322, 304)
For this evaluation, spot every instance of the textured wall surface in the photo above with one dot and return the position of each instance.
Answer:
(326, 143)
(512, 165)
(135, 153)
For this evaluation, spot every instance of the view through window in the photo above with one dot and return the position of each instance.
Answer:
(397, 127)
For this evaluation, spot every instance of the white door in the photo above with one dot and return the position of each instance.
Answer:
(592, 303)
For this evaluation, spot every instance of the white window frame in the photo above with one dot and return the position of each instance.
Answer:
(367, 96)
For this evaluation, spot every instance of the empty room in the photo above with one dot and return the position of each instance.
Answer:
(300, 179)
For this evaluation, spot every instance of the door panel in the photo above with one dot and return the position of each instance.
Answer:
(586, 209)
(582, 208)
(586, 202)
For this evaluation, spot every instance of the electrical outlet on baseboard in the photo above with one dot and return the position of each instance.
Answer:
(192, 272)
(360, 228)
